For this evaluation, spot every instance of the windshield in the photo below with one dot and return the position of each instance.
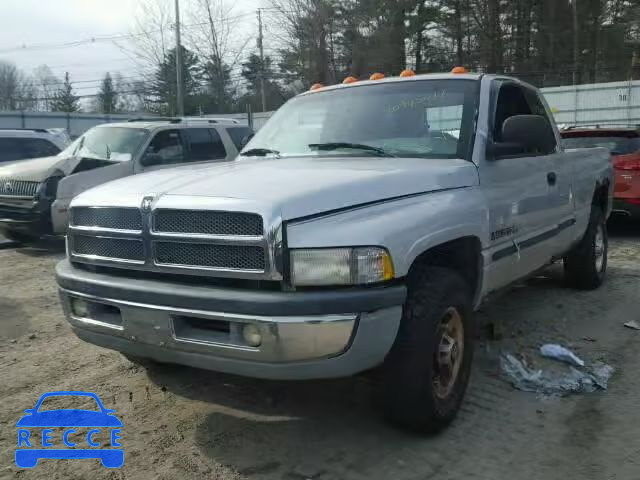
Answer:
(616, 145)
(108, 143)
(424, 119)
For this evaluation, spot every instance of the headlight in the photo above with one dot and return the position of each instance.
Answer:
(340, 266)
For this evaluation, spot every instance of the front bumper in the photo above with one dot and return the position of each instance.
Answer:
(25, 215)
(304, 335)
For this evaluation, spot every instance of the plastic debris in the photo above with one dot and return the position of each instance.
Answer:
(632, 324)
(558, 352)
(539, 381)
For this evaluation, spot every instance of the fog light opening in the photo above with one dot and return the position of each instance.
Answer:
(251, 335)
(79, 307)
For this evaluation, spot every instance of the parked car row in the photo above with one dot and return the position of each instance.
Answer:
(358, 229)
(35, 193)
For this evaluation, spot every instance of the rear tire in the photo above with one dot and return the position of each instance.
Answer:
(426, 373)
(585, 266)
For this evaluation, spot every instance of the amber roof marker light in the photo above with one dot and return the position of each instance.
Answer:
(349, 80)
(407, 73)
(376, 76)
(459, 70)
(316, 86)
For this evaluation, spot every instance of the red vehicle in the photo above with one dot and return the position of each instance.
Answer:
(624, 145)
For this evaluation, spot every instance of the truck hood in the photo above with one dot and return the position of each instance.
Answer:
(293, 187)
(36, 169)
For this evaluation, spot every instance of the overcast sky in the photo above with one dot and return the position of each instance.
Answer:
(28, 25)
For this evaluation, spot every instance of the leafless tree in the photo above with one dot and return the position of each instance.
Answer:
(211, 32)
(16, 89)
(46, 84)
(152, 35)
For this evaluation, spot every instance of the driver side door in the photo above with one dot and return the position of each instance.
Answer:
(520, 197)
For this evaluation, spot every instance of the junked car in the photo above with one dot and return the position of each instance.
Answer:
(25, 143)
(35, 194)
(361, 227)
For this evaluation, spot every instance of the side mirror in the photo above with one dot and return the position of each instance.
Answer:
(246, 140)
(525, 134)
(150, 159)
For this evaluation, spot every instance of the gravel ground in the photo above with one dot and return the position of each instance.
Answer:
(186, 423)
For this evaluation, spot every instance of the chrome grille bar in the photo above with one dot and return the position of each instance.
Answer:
(18, 188)
(207, 222)
(189, 241)
(211, 256)
(109, 218)
(107, 248)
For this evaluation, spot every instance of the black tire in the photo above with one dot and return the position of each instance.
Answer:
(18, 237)
(409, 392)
(583, 267)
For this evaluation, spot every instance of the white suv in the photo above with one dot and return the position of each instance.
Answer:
(24, 143)
(35, 194)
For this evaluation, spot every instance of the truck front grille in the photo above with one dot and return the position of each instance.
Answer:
(232, 257)
(207, 222)
(178, 240)
(107, 217)
(107, 248)
(18, 188)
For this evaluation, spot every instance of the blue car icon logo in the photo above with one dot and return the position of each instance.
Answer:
(37, 423)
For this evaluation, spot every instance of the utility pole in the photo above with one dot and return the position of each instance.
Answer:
(179, 86)
(574, 5)
(260, 39)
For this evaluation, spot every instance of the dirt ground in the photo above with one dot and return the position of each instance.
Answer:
(186, 423)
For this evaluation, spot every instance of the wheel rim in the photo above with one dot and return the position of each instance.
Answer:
(599, 248)
(449, 353)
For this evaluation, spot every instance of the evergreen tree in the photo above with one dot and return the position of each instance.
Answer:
(252, 70)
(64, 100)
(163, 91)
(107, 96)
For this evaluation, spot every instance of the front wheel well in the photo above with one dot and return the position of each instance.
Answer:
(463, 255)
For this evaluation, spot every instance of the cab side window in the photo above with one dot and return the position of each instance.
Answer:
(204, 144)
(167, 144)
(537, 108)
(511, 101)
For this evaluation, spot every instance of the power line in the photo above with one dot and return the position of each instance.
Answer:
(103, 38)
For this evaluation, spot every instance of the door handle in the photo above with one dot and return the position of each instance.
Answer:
(551, 178)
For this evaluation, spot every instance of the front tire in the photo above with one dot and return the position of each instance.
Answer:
(585, 266)
(426, 373)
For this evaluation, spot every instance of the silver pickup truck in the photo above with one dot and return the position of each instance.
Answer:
(360, 228)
